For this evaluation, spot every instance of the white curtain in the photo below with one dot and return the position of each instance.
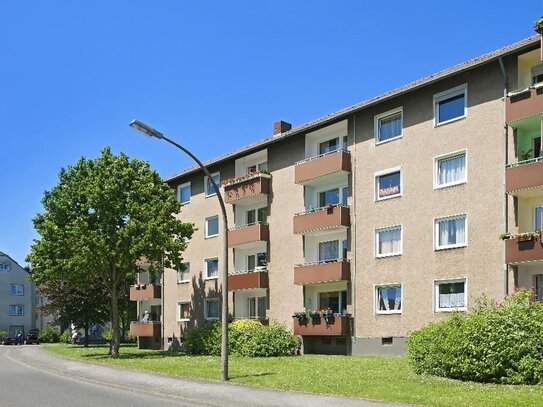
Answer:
(390, 127)
(452, 300)
(452, 169)
(452, 231)
(390, 296)
(329, 250)
(390, 241)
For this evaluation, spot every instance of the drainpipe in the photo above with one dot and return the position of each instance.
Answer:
(506, 159)
(353, 230)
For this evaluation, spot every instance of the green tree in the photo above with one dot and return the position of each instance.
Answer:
(101, 217)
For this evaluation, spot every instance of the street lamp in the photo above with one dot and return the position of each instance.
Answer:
(149, 131)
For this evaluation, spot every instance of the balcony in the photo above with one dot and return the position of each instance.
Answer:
(523, 104)
(523, 250)
(525, 175)
(140, 292)
(339, 325)
(328, 217)
(245, 235)
(149, 329)
(246, 188)
(322, 272)
(335, 162)
(248, 279)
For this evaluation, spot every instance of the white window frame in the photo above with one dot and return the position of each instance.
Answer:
(376, 245)
(206, 191)
(535, 71)
(206, 270)
(206, 228)
(179, 188)
(437, 283)
(376, 183)
(439, 158)
(379, 117)
(208, 300)
(187, 270)
(257, 307)
(16, 307)
(436, 232)
(376, 298)
(13, 289)
(447, 94)
(6, 267)
(179, 318)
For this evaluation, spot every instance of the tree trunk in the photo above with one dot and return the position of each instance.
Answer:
(86, 334)
(114, 348)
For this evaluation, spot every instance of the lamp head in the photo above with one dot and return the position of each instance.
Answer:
(145, 129)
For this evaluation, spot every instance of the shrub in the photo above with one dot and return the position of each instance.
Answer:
(245, 338)
(107, 335)
(3, 333)
(50, 335)
(66, 336)
(500, 343)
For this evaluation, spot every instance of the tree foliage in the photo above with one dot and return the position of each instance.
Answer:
(101, 217)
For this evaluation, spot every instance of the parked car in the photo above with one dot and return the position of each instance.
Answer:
(13, 339)
(93, 339)
(32, 336)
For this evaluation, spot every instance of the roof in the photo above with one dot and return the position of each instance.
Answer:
(462, 67)
(13, 260)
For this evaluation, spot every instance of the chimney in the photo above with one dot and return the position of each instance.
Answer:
(280, 127)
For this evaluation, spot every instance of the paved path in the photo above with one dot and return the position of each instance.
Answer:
(32, 377)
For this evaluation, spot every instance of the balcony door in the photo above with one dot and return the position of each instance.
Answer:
(335, 300)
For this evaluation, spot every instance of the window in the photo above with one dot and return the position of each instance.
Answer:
(257, 215)
(388, 184)
(329, 251)
(334, 197)
(537, 74)
(183, 275)
(329, 146)
(16, 289)
(184, 193)
(388, 241)
(16, 310)
(212, 226)
(450, 295)
(450, 105)
(211, 308)
(5, 267)
(257, 307)
(209, 189)
(388, 299)
(538, 218)
(183, 311)
(538, 287)
(335, 300)
(450, 170)
(451, 232)
(257, 261)
(388, 126)
(212, 268)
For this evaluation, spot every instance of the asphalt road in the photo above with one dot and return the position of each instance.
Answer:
(31, 377)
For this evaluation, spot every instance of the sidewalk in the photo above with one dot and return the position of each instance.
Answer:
(197, 392)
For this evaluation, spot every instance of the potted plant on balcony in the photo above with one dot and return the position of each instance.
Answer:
(527, 236)
(301, 316)
(506, 236)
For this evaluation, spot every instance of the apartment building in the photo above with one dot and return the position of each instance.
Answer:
(387, 214)
(17, 302)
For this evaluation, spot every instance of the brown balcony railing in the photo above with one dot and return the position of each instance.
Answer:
(523, 249)
(248, 279)
(256, 232)
(522, 104)
(339, 325)
(149, 329)
(524, 175)
(324, 164)
(247, 186)
(328, 217)
(140, 292)
(321, 272)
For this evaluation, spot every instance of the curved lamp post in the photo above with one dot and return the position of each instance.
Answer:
(149, 131)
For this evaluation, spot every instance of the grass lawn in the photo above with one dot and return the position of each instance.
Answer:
(377, 378)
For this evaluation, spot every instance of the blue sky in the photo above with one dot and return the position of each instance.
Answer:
(213, 75)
